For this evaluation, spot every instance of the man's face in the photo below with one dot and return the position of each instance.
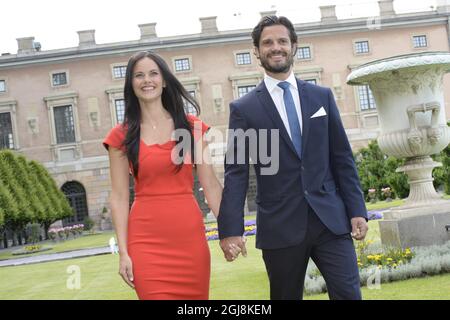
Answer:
(275, 49)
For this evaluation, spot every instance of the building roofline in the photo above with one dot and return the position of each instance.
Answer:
(308, 29)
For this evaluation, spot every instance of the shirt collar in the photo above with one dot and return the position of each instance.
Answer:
(272, 83)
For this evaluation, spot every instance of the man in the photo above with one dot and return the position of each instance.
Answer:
(313, 204)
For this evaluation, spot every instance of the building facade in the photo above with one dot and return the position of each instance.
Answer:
(56, 106)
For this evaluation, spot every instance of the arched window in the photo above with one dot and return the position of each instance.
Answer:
(76, 195)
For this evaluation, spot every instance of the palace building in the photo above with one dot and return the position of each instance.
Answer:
(56, 106)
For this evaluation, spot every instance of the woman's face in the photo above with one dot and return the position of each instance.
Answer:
(147, 82)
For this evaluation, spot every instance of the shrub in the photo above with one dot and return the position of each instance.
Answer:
(88, 224)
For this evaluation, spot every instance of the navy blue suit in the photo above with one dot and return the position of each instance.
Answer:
(323, 182)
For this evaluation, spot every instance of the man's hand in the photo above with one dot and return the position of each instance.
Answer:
(232, 246)
(359, 228)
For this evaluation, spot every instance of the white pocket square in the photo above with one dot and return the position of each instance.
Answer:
(320, 113)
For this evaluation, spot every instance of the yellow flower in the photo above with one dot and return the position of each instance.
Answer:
(389, 259)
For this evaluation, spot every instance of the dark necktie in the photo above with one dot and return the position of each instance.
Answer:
(294, 125)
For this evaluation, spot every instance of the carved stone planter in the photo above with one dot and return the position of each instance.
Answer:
(408, 91)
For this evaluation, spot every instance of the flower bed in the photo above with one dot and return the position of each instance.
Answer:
(61, 234)
(30, 249)
(389, 265)
(250, 226)
(249, 230)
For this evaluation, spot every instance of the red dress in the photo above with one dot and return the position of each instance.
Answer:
(166, 234)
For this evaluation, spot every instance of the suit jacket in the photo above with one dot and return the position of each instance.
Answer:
(324, 177)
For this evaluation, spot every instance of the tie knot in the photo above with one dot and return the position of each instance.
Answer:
(283, 85)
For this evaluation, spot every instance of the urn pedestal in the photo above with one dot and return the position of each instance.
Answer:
(408, 92)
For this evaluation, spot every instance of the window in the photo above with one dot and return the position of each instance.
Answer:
(189, 108)
(119, 72)
(59, 79)
(76, 196)
(313, 81)
(366, 100)
(120, 109)
(64, 124)
(243, 90)
(2, 86)
(304, 53)
(420, 41)
(6, 132)
(243, 58)
(361, 47)
(182, 64)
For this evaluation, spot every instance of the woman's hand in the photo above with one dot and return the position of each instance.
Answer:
(126, 270)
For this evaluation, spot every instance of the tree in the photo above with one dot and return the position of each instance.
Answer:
(59, 203)
(441, 175)
(41, 198)
(9, 208)
(11, 182)
(376, 171)
(2, 217)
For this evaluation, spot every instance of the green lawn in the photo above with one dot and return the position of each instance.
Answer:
(380, 205)
(243, 279)
(87, 241)
(101, 240)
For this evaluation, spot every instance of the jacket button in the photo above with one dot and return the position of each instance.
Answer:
(303, 168)
(306, 192)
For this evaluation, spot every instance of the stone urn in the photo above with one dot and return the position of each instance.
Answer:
(408, 91)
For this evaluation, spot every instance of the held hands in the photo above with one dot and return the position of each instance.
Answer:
(359, 228)
(232, 247)
(126, 270)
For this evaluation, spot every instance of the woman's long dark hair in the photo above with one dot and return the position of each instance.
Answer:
(173, 98)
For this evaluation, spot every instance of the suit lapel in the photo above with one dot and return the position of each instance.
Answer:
(306, 112)
(267, 102)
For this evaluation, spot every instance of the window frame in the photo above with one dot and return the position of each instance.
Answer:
(54, 72)
(118, 65)
(10, 107)
(240, 52)
(5, 81)
(175, 59)
(420, 35)
(244, 86)
(369, 47)
(369, 95)
(58, 149)
(306, 45)
(72, 124)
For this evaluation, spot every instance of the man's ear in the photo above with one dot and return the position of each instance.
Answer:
(256, 52)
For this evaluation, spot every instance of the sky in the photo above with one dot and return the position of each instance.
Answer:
(54, 23)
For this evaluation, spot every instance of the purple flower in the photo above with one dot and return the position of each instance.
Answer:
(249, 223)
(375, 215)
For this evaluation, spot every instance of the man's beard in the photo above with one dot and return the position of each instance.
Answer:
(280, 68)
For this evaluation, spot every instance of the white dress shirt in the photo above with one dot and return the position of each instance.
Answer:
(277, 96)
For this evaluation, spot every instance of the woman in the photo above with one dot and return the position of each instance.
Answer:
(162, 243)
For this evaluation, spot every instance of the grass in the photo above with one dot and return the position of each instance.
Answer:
(87, 241)
(101, 240)
(243, 279)
(380, 205)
